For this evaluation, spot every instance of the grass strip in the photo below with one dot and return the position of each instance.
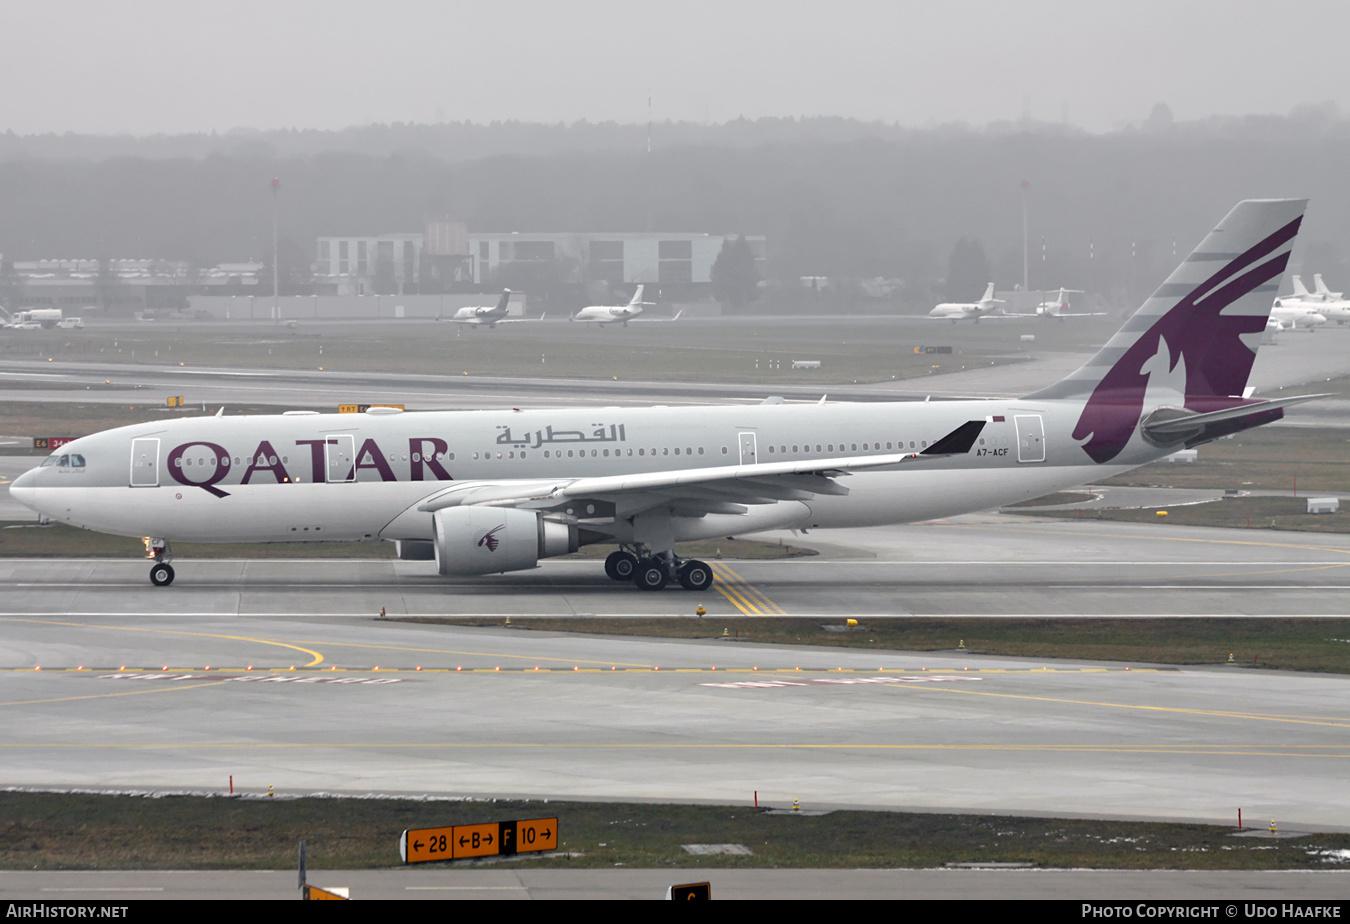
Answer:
(1303, 644)
(1268, 512)
(94, 831)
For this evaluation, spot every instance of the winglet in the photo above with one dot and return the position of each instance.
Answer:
(958, 442)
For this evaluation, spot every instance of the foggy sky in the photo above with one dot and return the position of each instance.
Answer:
(154, 66)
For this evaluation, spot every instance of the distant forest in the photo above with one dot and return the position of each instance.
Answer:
(836, 198)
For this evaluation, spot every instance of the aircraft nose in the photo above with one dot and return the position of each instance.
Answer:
(21, 489)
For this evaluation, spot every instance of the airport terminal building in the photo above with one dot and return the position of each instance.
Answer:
(360, 265)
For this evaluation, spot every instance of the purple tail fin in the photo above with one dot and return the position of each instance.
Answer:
(1202, 325)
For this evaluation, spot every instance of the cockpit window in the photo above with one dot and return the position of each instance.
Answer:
(65, 460)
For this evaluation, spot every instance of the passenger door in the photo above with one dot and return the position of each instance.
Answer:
(145, 462)
(340, 454)
(1030, 438)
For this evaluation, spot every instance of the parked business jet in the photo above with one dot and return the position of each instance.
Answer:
(488, 316)
(1321, 289)
(987, 306)
(618, 314)
(1059, 307)
(483, 492)
(1325, 302)
(1298, 311)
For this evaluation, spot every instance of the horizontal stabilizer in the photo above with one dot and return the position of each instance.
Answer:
(1184, 423)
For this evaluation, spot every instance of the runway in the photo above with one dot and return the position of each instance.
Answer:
(978, 565)
(141, 688)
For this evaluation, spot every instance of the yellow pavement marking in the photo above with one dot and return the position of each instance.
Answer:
(533, 659)
(318, 658)
(743, 595)
(1335, 722)
(295, 644)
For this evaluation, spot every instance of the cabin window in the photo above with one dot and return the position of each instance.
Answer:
(817, 447)
(853, 447)
(641, 452)
(569, 453)
(924, 443)
(677, 450)
(606, 453)
(665, 452)
(794, 448)
(724, 450)
(700, 450)
(770, 450)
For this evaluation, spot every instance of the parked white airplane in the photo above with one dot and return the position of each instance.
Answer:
(1300, 310)
(618, 314)
(489, 316)
(1322, 290)
(483, 492)
(1325, 302)
(1059, 307)
(969, 311)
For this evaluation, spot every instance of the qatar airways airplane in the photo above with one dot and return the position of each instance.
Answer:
(483, 492)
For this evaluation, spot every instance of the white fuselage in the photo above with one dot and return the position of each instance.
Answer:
(484, 314)
(1295, 313)
(606, 314)
(345, 477)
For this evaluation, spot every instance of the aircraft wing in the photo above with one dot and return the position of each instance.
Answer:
(721, 489)
(656, 320)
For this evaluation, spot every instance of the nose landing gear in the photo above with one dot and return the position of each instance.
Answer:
(161, 572)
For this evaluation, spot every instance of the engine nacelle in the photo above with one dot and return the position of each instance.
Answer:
(489, 540)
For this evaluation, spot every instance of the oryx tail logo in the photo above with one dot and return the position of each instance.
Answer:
(490, 538)
(1194, 334)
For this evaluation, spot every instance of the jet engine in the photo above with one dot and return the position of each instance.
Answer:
(489, 540)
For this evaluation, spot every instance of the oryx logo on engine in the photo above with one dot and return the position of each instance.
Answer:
(490, 538)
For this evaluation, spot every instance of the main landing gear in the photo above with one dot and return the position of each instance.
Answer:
(654, 572)
(161, 572)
